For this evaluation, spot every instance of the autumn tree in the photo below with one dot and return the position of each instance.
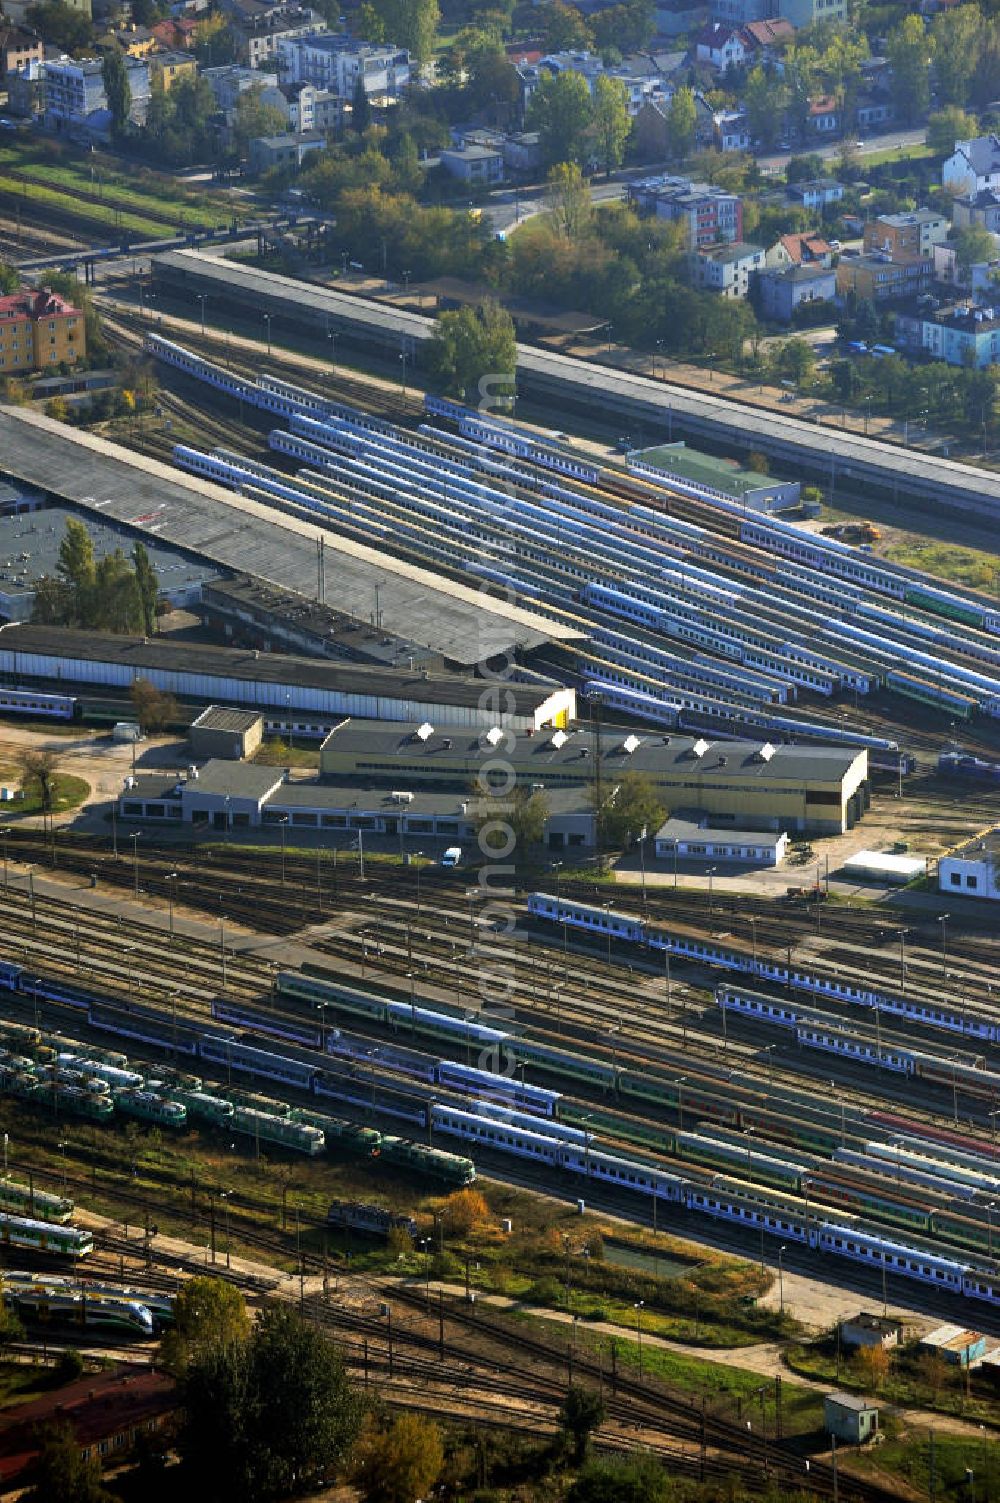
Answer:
(208, 1313)
(934, 1373)
(38, 774)
(399, 1464)
(568, 196)
(581, 1414)
(610, 122)
(564, 28)
(154, 710)
(874, 1364)
(463, 1211)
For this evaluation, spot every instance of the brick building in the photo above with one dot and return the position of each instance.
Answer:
(38, 329)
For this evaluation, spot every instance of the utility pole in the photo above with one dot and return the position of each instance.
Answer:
(597, 701)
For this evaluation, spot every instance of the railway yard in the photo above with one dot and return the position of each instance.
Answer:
(238, 1049)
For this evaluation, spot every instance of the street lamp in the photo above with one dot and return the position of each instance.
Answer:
(781, 1281)
(171, 879)
(135, 862)
(943, 921)
(267, 320)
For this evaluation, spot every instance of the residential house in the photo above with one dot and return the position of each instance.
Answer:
(903, 235)
(521, 152)
(711, 215)
(872, 112)
(176, 34)
(231, 80)
(38, 329)
(765, 41)
(978, 208)
(961, 335)
(779, 290)
(282, 152)
(478, 166)
(258, 28)
(26, 91)
(817, 193)
(727, 269)
(823, 118)
(299, 103)
(19, 46)
(974, 166)
(106, 1412)
(75, 99)
(805, 249)
(721, 45)
(880, 280)
(732, 131)
(979, 277)
(132, 40)
(336, 63)
(165, 68)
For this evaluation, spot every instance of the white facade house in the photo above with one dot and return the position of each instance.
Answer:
(334, 63)
(970, 870)
(475, 165)
(974, 166)
(727, 269)
(686, 840)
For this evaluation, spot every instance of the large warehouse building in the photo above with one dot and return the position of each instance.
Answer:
(465, 625)
(816, 789)
(308, 692)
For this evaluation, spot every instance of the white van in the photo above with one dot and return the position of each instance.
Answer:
(452, 856)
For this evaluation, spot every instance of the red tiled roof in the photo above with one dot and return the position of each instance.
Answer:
(763, 33)
(826, 105)
(97, 1408)
(30, 304)
(807, 246)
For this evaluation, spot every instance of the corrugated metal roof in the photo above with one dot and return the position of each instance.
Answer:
(457, 620)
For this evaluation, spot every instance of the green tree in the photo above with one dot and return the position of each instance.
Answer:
(626, 28)
(148, 585)
(117, 87)
(568, 196)
(61, 1474)
(636, 1479)
(909, 50)
(252, 117)
(53, 602)
(370, 25)
(520, 817)
(214, 42)
(10, 279)
(77, 568)
(61, 25)
(470, 344)
(208, 1313)
(681, 120)
(973, 245)
(947, 126)
(399, 1464)
(154, 710)
(561, 111)
(611, 124)
(563, 28)
(269, 1415)
(361, 110)
(957, 36)
(38, 774)
(410, 23)
(801, 78)
(117, 602)
(581, 1414)
(795, 360)
(765, 99)
(628, 807)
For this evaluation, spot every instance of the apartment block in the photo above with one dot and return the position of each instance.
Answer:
(38, 329)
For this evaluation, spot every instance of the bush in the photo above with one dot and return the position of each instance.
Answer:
(70, 1366)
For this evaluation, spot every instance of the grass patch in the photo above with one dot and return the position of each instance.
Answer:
(68, 792)
(950, 561)
(909, 1457)
(21, 1381)
(911, 1382)
(75, 208)
(140, 192)
(917, 152)
(274, 752)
